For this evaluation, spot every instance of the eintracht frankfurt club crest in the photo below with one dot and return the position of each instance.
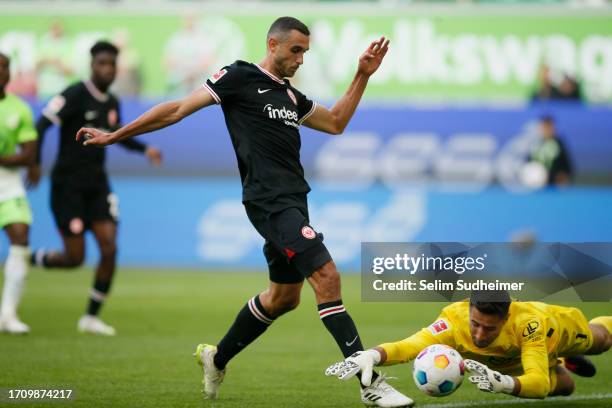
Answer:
(308, 232)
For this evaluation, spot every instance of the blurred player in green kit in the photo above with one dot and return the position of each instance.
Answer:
(17, 149)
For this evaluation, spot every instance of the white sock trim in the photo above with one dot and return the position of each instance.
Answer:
(19, 250)
(258, 315)
(97, 295)
(328, 311)
(39, 257)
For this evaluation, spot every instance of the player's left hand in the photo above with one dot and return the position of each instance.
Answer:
(154, 155)
(95, 137)
(371, 59)
(33, 176)
(488, 380)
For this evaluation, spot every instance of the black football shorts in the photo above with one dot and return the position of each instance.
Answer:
(293, 249)
(75, 208)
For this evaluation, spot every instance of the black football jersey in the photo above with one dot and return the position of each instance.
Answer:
(263, 114)
(83, 105)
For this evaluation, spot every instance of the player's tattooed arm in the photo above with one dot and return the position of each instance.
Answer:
(158, 117)
(335, 120)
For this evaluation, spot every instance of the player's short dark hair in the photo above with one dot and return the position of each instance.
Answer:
(549, 119)
(491, 302)
(6, 57)
(103, 46)
(284, 25)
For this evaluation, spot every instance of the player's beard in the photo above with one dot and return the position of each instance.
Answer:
(292, 72)
(480, 344)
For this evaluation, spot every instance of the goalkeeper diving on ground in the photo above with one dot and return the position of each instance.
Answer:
(525, 349)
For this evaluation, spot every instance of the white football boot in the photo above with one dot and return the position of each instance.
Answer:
(381, 394)
(213, 377)
(13, 325)
(93, 325)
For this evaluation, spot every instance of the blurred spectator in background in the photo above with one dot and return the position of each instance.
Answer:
(23, 75)
(54, 65)
(546, 89)
(129, 78)
(188, 58)
(569, 89)
(566, 90)
(551, 153)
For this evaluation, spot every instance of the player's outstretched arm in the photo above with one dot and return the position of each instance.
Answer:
(334, 120)
(393, 353)
(385, 354)
(158, 117)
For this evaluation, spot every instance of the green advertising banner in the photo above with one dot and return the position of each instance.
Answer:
(441, 57)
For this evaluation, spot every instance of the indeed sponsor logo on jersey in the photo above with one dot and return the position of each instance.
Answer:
(290, 117)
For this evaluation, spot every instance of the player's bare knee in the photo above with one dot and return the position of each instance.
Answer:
(565, 383)
(564, 391)
(284, 305)
(18, 234)
(292, 303)
(328, 289)
(73, 263)
(108, 250)
(20, 241)
(74, 259)
(326, 282)
(607, 339)
(607, 343)
(602, 339)
(603, 345)
(568, 387)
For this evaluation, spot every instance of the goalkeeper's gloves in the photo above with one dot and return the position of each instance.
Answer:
(489, 380)
(361, 361)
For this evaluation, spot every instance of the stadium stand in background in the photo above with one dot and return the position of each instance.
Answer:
(451, 123)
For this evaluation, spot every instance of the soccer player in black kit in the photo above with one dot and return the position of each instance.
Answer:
(263, 113)
(81, 197)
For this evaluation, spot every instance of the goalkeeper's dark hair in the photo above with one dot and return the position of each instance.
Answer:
(491, 302)
(283, 25)
(103, 46)
(6, 57)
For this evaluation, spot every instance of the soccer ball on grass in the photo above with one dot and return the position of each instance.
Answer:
(438, 370)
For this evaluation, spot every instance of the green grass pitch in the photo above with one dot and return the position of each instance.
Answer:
(160, 317)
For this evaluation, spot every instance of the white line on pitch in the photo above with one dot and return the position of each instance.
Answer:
(469, 404)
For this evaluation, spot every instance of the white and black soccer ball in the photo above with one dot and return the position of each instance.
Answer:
(438, 370)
